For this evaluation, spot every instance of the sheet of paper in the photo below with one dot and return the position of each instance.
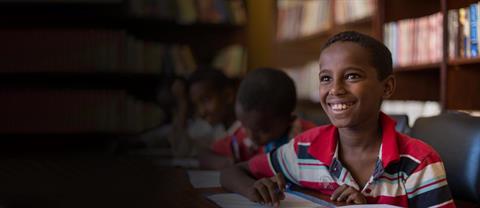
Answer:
(204, 178)
(184, 162)
(369, 206)
(232, 200)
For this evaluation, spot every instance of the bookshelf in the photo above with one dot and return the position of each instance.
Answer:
(93, 67)
(453, 79)
(303, 48)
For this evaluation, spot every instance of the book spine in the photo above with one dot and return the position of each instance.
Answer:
(473, 30)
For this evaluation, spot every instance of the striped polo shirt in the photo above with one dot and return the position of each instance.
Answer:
(408, 173)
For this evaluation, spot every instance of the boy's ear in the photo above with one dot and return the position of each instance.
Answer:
(389, 85)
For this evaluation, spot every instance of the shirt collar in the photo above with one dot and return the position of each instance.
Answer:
(324, 147)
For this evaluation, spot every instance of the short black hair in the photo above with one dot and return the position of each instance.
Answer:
(268, 90)
(381, 57)
(215, 78)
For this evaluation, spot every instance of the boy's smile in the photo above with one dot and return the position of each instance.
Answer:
(350, 91)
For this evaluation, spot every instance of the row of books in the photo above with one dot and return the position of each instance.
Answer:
(297, 18)
(65, 1)
(88, 50)
(352, 10)
(96, 50)
(415, 41)
(463, 32)
(306, 81)
(74, 111)
(232, 60)
(191, 11)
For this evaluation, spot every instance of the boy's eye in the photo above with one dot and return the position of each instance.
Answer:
(352, 76)
(325, 78)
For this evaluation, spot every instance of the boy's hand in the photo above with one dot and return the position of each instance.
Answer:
(268, 190)
(348, 194)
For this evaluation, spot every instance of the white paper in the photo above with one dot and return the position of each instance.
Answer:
(369, 206)
(204, 178)
(232, 200)
(183, 162)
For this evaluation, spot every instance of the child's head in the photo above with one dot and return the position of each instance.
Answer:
(265, 101)
(355, 76)
(213, 95)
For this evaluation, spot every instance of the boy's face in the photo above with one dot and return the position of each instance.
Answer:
(263, 127)
(210, 104)
(350, 91)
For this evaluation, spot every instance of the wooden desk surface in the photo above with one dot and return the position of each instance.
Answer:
(94, 182)
(98, 182)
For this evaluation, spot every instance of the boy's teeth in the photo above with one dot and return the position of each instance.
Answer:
(340, 106)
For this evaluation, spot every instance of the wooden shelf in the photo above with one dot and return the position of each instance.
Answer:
(403, 9)
(457, 4)
(418, 67)
(360, 23)
(93, 15)
(100, 80)
(58, 14)
(463, 61)
(421, 85)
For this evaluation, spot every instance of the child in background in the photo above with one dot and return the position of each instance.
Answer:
(265, 102)
(212, 97)
(360, 158)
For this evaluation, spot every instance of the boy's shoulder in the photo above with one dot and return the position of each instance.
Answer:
(416, 148)
(314, 133)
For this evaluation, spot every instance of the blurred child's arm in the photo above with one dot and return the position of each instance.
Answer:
(348, 194)
(219, 155)
(265, 190)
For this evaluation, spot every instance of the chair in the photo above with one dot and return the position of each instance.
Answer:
(456, 137)
(402, 123)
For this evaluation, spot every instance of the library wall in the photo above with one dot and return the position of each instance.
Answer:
(97, 67)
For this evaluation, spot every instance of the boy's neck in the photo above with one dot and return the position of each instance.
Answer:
(365, 137)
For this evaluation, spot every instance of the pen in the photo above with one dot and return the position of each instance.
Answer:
(235, 149)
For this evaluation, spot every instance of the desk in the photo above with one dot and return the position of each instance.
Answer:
(207, 191)
(97, 182)
(94, 182)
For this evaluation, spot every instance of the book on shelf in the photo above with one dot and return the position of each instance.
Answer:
(297, 19)
(306, 81)
(233, 60)
(90, 50)
(75, 111)
(415, 41)
(463, 32)
(349, 11)
(64, 1)
(191, 11)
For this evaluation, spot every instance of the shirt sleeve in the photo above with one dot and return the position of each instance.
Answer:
(282, 160)
(223, 146)
(427, 185)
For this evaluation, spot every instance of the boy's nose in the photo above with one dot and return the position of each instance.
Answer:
(337, 89)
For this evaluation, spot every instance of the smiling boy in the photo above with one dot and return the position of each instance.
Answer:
(360, 158)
